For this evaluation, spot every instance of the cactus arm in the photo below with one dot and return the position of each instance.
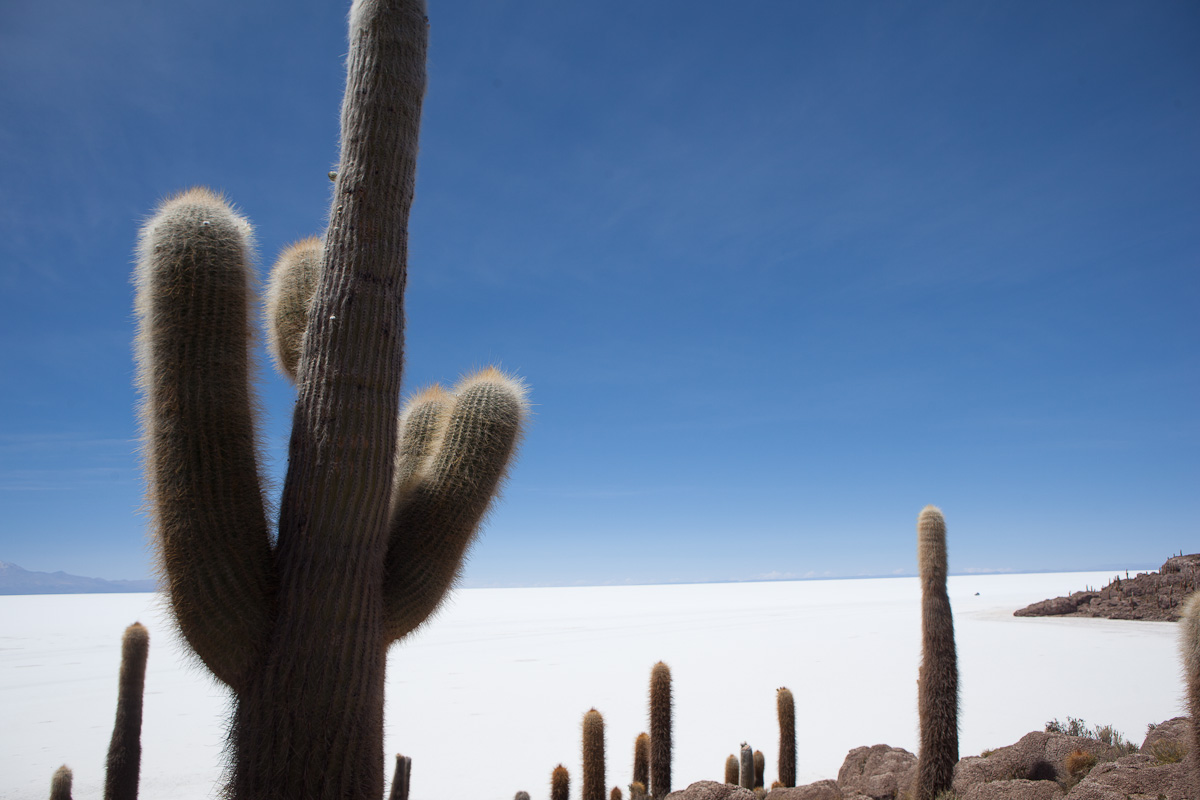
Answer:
(208, 514)
(310, 722)
(290, 291)
(453, 454)
(125, 747)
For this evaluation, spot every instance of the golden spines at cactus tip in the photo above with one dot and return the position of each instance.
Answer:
(560, 783)
(641, 759)
(731, 770)
(931, 545)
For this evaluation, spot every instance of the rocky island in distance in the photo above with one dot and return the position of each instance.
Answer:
(1154, 596)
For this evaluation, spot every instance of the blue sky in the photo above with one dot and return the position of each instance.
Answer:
(778, 275)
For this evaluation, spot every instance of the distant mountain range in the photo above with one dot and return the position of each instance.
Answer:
(15, 580)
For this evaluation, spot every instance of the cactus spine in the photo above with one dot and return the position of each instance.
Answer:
(401, 778)
(560, 784)
(125, 747)
(746, 767)
(60, 784)
(298, 625)
(785, 706)
(1189, 646)
(937, 684)
(593, 756)
(760, 769)
(641, 760)
(660, 731)
(731, 770)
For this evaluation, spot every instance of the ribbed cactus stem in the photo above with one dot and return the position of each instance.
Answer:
(785, 706)
(60, 784)
(731, 770)
(937, 684)
(1189, 647)
(290, 292)
(560, 783)
(660, 731)
(746, 767)
(593, 756)
(641, 759)
(760, 768)
(125, 747)
(401, 778)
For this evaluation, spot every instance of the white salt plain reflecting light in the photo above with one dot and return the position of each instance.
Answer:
(491, 693)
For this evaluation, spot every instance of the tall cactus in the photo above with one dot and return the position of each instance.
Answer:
(377, 508)
(731, 770)
(60, 784)
(785, 707)
(746, 767)
(760, 769)
(937, 684)
(1189, 647)
(125, 747)
(401, 778)
(593, 756)
(560, 783)
(641, 759)
(660, 731)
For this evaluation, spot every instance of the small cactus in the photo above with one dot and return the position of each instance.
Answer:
(746, 767)
(637, 791)
(60, 784)
(615, 794)
(660, 731)
(401, 778)
(731, 770)
(937, 684)
(560, 783)
(593, 756)
(125, 747)
(290, 292)
(785, 706)
(760, 768)
(521, 796)
(641, 760)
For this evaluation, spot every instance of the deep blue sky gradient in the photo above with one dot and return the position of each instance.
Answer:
(778, 274)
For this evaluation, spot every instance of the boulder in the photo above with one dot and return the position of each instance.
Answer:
(1014, 790)
(1037, 756)
(821, 790)
(711, 790)
(1135, 777)
(879, 772)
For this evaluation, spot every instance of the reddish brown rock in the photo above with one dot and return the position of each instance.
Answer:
(1136, 776)
(1014, 790)
(1037, 756)
(821, 790)
(711, 790)
(1148, 596)
(879, 772)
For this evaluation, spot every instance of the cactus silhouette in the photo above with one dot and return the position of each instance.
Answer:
(641, 759)
(731, 770)
(560, 784)
(746, 767)
(785, 706)
(593, 756)
(937, 684)
(760, 768)
(377, 508)
(1189, 646)
(660, 731)
(401, 778)
(60, 784)
(125, 747)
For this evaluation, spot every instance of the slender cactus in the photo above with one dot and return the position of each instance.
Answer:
(560, 784)
(378, 508)
(401, 778)
(746, 767)
(937, 684)
(593, 756)
(785, 706)
(731, 770)
(641, 759)
(125, 747)
(660, 731)
(1189, 646)
(760, 768)
(60, 784)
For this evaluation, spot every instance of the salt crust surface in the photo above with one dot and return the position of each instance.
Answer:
(491, 694)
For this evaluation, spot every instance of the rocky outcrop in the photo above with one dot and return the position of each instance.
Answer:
(1135, 776)
(821, 790)
(879, 772)
(1036, 757)
(1014, 790)
(711, 790)
(1148, 596)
